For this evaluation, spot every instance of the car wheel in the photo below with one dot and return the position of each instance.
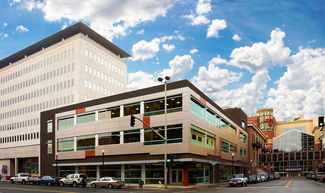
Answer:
(246, 184)
(74, 184)
(61, 184)
(38, 183)
(49, 183)
(93, 185)
(84, 185)
(110, 186)
(12, 181)
(24, 182)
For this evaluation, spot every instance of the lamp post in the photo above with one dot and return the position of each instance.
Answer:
(161, 79)
(18, 164)
(56, 164)
(232, 164)
(103, 152)
(251, 167)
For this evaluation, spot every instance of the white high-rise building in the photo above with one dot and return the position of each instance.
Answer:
(71, 66)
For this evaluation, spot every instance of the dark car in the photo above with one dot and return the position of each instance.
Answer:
(252, 179)
(49, 180)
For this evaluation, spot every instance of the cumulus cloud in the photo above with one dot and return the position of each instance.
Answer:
(140, 80)
(140, 32)
(144, 50)
(107, 17)
(218, 60)
(21, 29)
(236, 37)
(5, 24)
(300, 89)
(168, 47)
(213, 30)
(203, 6)
(260, 55)
(201, 19)
(164, 38)
(193, 51)
(312, 41)
(179, 66)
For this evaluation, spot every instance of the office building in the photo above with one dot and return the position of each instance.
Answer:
(71, 66)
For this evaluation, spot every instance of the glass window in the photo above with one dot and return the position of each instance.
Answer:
(49, 125)
(109, 138)
(132, 173)
(132, 109)
(242, 152)
(210, 116)
(49, 146)
(84, 118)
(174, 135)
(65, 122)
(157, 106)
(86, 142)
(225, 146)
(224, 124)
(243, 125)
(197, 108)
(218, 121)
(233, 147)
(154, 173)
(211, 140)
(242, 137)
(66, 144)
(109, 113)
(233, 130)
(132, 136)
(198, 136)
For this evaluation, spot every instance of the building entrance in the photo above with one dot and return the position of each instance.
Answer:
(176, 176)
(294, 174)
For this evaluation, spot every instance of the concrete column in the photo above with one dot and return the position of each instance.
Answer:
(143, 173)
(96, 115)
(142, 107)
(96, 140)
(75, 119)
(122, 172)
(121, 111)
(97, 172)
(16, 165)
(185, 174)
(121, 137)
(141, 135)
(75, 143)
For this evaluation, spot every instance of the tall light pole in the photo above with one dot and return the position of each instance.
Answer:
(251, 167)
(161, 79)
(18, 164)
(232, 164)
(56, 164)
(103, 152)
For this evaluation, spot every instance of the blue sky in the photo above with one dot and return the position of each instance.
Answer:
(248, 54)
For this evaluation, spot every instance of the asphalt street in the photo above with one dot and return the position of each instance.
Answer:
(285, 185)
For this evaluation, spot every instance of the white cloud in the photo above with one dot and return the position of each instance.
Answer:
(236, 37)
(311, 41)
(193, 51)
(21, 29)
(176, 32)
(213, 30)
(140, 80)
(140, 32)
(300, 89)
(5, 35)
(201, 19)
(203, 6)
(260, 56)
(168, 47)
(164, 38)
(5, 24)
(144, 50)
(108, 17)
(218, 60)
(64, 26)
(180, 37)
(178, 67)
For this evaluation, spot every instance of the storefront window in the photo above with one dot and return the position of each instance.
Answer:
(132, 173)
(85, 118)
(65, 122)
(197, 108)
(66, 144)
(109, 138)
(109, 113)
(86, 142)
(132, 136)
(132, 109)
(157, 106)
(112, 170)
(154, 173)
(64, 171)
(90, 171)
(196, 173)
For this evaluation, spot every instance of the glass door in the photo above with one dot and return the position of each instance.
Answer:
(176, 176)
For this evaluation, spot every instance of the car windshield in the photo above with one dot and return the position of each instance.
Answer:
(114, 179)
(262, 175)
(237, 176)
(252, 176)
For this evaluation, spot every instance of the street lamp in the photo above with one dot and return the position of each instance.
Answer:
(56, 163)
(18, 164)
(103, 152)
(232, 164)
(251, 167)
(161, 79)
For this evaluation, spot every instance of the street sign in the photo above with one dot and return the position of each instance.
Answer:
(320, 165)
(268, 168)
(213, 162)
(254, 164)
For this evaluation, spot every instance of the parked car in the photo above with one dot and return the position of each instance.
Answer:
(263, 177)
(75, 180)
(238, 179)
(322, 179)
(252, 179)
(318, 175)
(23, 178)
(109, 182)
(276, 176)
(271, 177)
(312, 176)
(308, 176)
(267, 177)
(49, 180)
(258, 178)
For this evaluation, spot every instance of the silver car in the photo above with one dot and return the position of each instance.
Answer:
(258, 178)
(263, 177)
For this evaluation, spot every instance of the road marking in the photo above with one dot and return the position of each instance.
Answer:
(35, 190)
(287, 185)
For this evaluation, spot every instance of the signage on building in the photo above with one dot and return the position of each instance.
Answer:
(293, 169)
(213, 162)
(320, 165)
(4, 169)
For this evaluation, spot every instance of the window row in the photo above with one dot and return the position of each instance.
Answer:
(174, 135)
(19, 124)
(227, 146)
(102, 75)
(38, 93)
(202, 138)
(17, 138)
(103, 62)
(38, 65)
(98, 88)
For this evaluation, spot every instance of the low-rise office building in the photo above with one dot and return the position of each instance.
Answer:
(78, 137)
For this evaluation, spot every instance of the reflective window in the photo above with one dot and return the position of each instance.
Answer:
(233, 130)
(157, 106)
(242, 137)
(109, 138)
(66, 144)
(109, 113)
(132, 136)
(132, 109)
(49, 146)
(210, 116)
(197, 108)
(49, 125)
(198, 136)
(86, 142)
(84, 118)
(294, 140)
(224, 124)
(66, 122)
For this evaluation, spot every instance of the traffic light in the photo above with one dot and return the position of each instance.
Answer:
(171, 158)
(320, 121)
(168, 160)
(132, 123)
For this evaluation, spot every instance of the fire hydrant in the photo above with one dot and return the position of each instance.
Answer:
(159, 184)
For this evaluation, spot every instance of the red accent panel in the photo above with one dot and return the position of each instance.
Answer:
(203, 101)
(185, 174)
(80, 110)
(146, 120)
(90, 153)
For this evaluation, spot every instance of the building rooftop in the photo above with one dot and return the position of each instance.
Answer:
(64, 34)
